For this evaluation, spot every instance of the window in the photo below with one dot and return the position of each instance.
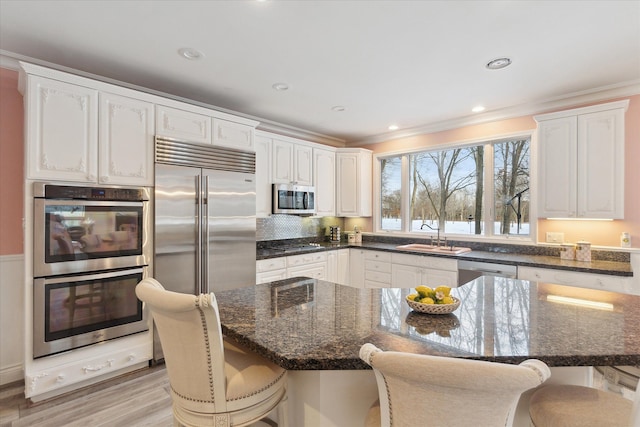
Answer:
(480, 189)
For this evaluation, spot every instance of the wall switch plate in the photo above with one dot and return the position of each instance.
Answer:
(555, 237)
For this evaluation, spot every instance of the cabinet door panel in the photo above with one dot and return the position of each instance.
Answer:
(558, 165)
(601, 162)
(126, 140)
(263, 176)
(61, 131)
(324, 173)
(303, 165)
(232, 135)
(282, 156)
(184, 125)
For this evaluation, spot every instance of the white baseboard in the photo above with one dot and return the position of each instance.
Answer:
(11, 318)
(11, 374)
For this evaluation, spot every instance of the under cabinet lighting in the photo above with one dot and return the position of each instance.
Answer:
(393, 127)
(580, 302)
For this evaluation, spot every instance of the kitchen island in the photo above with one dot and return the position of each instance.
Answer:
(315, 329)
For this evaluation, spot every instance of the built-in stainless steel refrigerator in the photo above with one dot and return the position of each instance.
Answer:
(205, 227)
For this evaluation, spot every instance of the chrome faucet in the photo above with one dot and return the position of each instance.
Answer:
(437, 230)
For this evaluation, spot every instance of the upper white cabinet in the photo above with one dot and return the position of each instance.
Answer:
(125, 140)
(61, 130)
(233, 135)
(183, 125)
(353, 189)
(581, 172)
(262, 146)
(292, 163)
(324, 177)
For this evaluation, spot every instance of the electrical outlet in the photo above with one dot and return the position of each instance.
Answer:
(555, 237)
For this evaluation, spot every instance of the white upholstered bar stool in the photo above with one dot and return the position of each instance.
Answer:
(213, 383)
(421, 390)
(577, 406)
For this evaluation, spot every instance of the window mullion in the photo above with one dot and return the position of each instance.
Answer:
(405, 192)
(489, 211)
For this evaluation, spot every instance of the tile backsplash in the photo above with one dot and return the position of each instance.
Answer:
(279, 227)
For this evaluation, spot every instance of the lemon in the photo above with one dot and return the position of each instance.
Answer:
(444, 289)
(447, 300)
(424, 290)
(413, 297)
(427, 300)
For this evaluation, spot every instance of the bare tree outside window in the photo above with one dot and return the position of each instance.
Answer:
(446, 190)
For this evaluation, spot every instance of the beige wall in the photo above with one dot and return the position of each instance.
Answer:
(601, 233)
(11, 164)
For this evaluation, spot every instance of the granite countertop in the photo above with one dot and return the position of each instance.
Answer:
(309, 324)
(614, 268)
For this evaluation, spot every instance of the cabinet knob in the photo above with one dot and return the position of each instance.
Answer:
(60, 378)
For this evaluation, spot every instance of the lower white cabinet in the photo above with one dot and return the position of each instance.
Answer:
(312, 265)
(270, 270)
(377, 269)
(338, 266)
(409, 271)
(573, 278)
(356, 268)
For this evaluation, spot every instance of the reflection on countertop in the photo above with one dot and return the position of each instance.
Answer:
(499, 319)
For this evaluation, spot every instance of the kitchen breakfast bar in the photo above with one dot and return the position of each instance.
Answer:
(315, 328)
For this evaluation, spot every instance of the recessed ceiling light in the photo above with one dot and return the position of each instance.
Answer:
(189, 53)
(498, 63)
(477, 108)
(280, 87)
(338, 108)
(393, 127)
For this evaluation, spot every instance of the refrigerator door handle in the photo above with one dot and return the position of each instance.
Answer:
(199, 234)
(205, 218)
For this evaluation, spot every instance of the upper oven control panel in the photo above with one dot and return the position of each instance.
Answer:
(49, 191)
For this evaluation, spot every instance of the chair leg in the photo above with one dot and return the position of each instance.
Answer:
(283, 412)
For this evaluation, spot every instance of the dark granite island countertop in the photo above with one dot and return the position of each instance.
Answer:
(308, 324)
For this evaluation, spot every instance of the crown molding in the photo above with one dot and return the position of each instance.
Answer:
(549, 105)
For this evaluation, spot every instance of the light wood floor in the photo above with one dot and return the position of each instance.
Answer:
(137, 399)
(140, 398)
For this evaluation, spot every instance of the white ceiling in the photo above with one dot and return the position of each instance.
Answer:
(417, 64)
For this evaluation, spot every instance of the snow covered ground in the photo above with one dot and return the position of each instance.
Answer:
(452, 227)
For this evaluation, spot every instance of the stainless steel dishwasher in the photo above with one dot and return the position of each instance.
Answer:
(469, 270)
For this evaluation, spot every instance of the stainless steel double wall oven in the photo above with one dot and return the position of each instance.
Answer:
(92, 245)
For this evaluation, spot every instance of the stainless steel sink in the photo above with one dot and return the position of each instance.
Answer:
(420, 247)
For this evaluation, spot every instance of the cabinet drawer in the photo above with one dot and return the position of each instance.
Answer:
(377, 256)
(296, 260)
(271, 264)
(572, 278)
(315, 271)
(378, 276)
(271, 276)
(384, 267)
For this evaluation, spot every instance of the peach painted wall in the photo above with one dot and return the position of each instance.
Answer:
(11, 164)
(600, 233)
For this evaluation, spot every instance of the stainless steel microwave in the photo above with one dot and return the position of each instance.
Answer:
(294, 199)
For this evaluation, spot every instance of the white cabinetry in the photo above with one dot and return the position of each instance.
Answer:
(582, 162)
(573, 278)
(377, 269)
(232, 135)
(183, 125)
(125, 140)
(353, 190)
(338, 266)
(270, 270)
(263, 176)
(292, 163)
(409, 271)
(61, 130)
(324, 177)
(312, 265)
(356, 268)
